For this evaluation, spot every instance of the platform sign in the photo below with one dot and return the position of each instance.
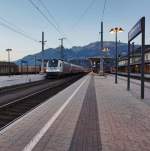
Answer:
(138, 28)
(135, 31)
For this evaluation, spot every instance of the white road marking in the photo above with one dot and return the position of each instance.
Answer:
(30, 146)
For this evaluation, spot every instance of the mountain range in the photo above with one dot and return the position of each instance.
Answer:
(90, 50)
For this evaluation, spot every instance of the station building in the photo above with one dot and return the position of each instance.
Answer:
(135, 61)
(108, 63)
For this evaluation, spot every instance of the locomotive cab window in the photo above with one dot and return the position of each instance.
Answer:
(53, 63)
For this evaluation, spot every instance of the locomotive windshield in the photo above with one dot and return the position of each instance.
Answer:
(53, 63)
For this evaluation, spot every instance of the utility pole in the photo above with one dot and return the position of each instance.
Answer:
(8, 50)
(101, 71)
(116, 30)
(43, 43)
(102, 36)
(62, 47)
(116, 78)
(35, 63)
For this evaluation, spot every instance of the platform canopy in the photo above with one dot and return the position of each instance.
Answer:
(97, 58)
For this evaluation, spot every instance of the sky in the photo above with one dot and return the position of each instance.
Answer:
(77, 20)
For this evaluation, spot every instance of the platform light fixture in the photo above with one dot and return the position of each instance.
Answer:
(116, 30)
(105, 49)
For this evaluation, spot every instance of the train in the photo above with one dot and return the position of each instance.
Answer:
(52, 67)
(7, 68)
(58, 68)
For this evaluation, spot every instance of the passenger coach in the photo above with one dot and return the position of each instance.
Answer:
(57, 67)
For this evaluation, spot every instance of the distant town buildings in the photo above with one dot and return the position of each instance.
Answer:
(135, 61)
(6, 68)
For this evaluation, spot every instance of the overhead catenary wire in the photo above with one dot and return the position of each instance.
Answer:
(15, 29)
(56, 27)
(49, 13)
(10, 23)
(76, 24)
(103, 11)
(83, 14)
(46, 18)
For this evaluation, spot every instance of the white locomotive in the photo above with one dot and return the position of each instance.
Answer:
(55, 67)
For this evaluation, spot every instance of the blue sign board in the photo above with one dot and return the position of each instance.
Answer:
(135, 31)
(138, 28)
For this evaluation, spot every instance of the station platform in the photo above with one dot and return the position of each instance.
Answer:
(93, 114)
(137, 75)
(6, 81)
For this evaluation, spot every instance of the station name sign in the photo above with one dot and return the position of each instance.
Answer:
(136, 30)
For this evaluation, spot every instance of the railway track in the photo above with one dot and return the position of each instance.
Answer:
(8, 94)
(11, 111)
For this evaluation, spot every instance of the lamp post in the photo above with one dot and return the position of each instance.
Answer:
(116, 30)
(8, 50)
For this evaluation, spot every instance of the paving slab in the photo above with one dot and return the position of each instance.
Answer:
(20, 133)
(124, 118)
(6, 81)
(93, 114)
